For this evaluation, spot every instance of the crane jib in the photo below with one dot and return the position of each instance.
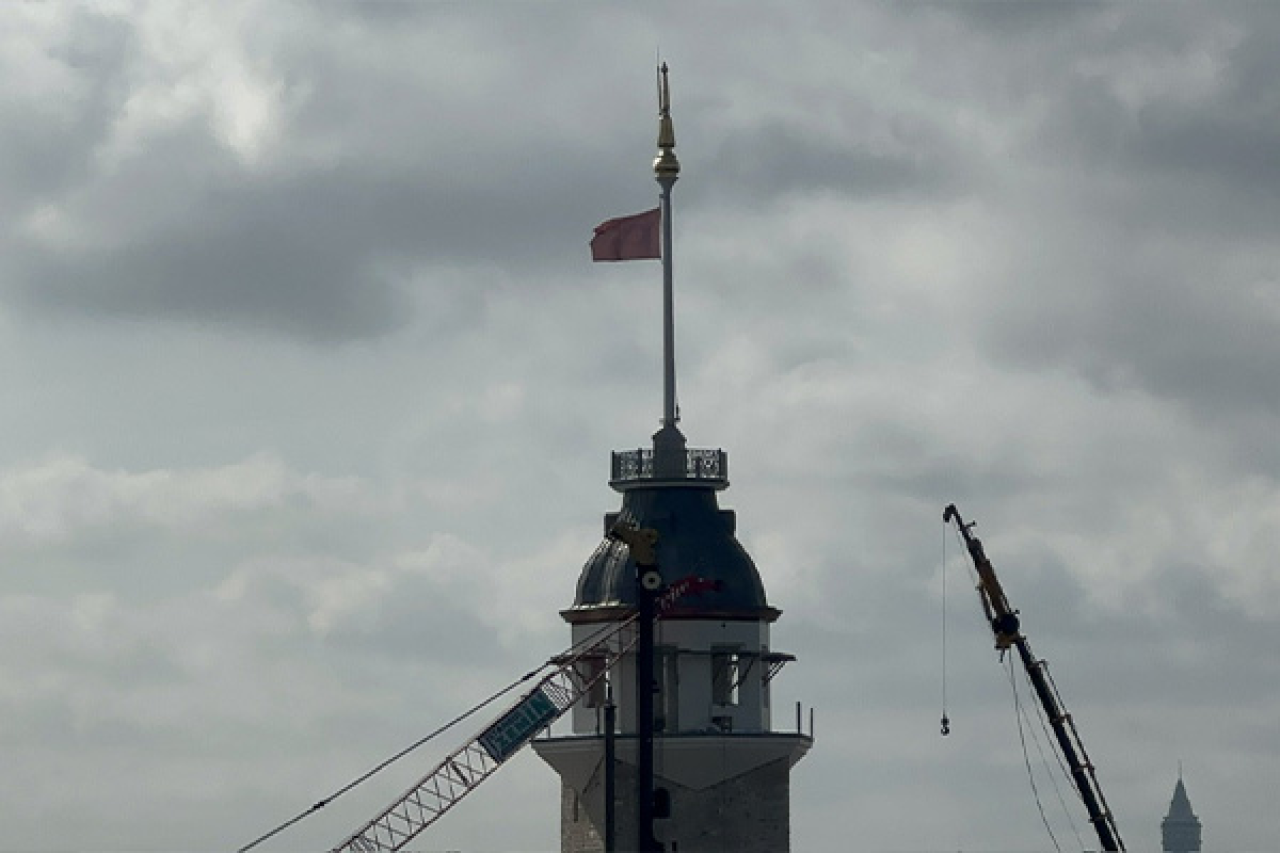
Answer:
(469, 765)
(518, 726)
(1004, 623)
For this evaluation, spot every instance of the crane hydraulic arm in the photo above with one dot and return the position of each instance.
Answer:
(1005, 626)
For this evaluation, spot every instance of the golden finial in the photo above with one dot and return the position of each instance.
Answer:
(665, 165)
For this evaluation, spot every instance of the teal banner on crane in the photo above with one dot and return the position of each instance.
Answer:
(518, 726)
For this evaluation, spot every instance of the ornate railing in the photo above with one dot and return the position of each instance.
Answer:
(700, 464)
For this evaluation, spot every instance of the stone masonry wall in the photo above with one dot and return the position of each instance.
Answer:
(746, 814)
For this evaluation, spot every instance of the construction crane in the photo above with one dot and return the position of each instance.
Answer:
(467, 766)
(1006, 628)
(570, 676)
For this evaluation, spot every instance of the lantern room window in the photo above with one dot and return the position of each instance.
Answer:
(726, 675)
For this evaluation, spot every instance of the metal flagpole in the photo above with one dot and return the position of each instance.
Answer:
(667, 170)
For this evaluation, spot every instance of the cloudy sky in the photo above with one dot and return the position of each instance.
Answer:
(311, 387)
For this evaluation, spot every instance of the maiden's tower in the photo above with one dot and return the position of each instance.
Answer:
(704, 739)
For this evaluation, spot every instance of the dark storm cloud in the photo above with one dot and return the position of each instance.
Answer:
(1017, 18)
(51, 127)
(1153, 267)
(775, 160)
(325, 255)
(1221, 144)
(1174, 326)
(1171, 93)
(227, 272)
(1177, 108)
(1198, 630)
(326, 249)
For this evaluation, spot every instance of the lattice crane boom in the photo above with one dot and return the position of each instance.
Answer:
(465, 768)
(574, 673)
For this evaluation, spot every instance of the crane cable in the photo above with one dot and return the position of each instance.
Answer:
(576, 648)
(977, 584)
(946, 721)
(368, 774)
(1026, 758)
(1062, 768)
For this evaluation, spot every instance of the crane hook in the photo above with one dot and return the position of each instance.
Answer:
(946, 725)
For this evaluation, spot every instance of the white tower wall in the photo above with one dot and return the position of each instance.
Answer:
(713, 674)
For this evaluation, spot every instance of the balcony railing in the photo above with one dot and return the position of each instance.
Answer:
(710, 466)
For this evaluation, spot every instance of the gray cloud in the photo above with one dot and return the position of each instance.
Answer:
(318, 247)
(313, 387)
(777, 161)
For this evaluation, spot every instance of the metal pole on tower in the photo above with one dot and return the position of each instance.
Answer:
(610, 771)
(667, 170)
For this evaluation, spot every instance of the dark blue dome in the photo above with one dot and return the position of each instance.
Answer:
(695, 537)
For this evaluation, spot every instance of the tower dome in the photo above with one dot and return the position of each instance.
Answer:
(695, 539)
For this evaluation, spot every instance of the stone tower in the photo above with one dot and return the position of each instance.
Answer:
(721, 772)
(725, 769)
(1180, 829)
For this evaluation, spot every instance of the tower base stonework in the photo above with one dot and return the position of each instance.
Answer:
(727, 792)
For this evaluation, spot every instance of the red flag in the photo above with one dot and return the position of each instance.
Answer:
(628, 238)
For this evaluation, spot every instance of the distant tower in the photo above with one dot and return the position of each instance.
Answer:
(722, 773)
(1180, 829)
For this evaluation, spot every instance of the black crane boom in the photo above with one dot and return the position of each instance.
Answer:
(1005, 627)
